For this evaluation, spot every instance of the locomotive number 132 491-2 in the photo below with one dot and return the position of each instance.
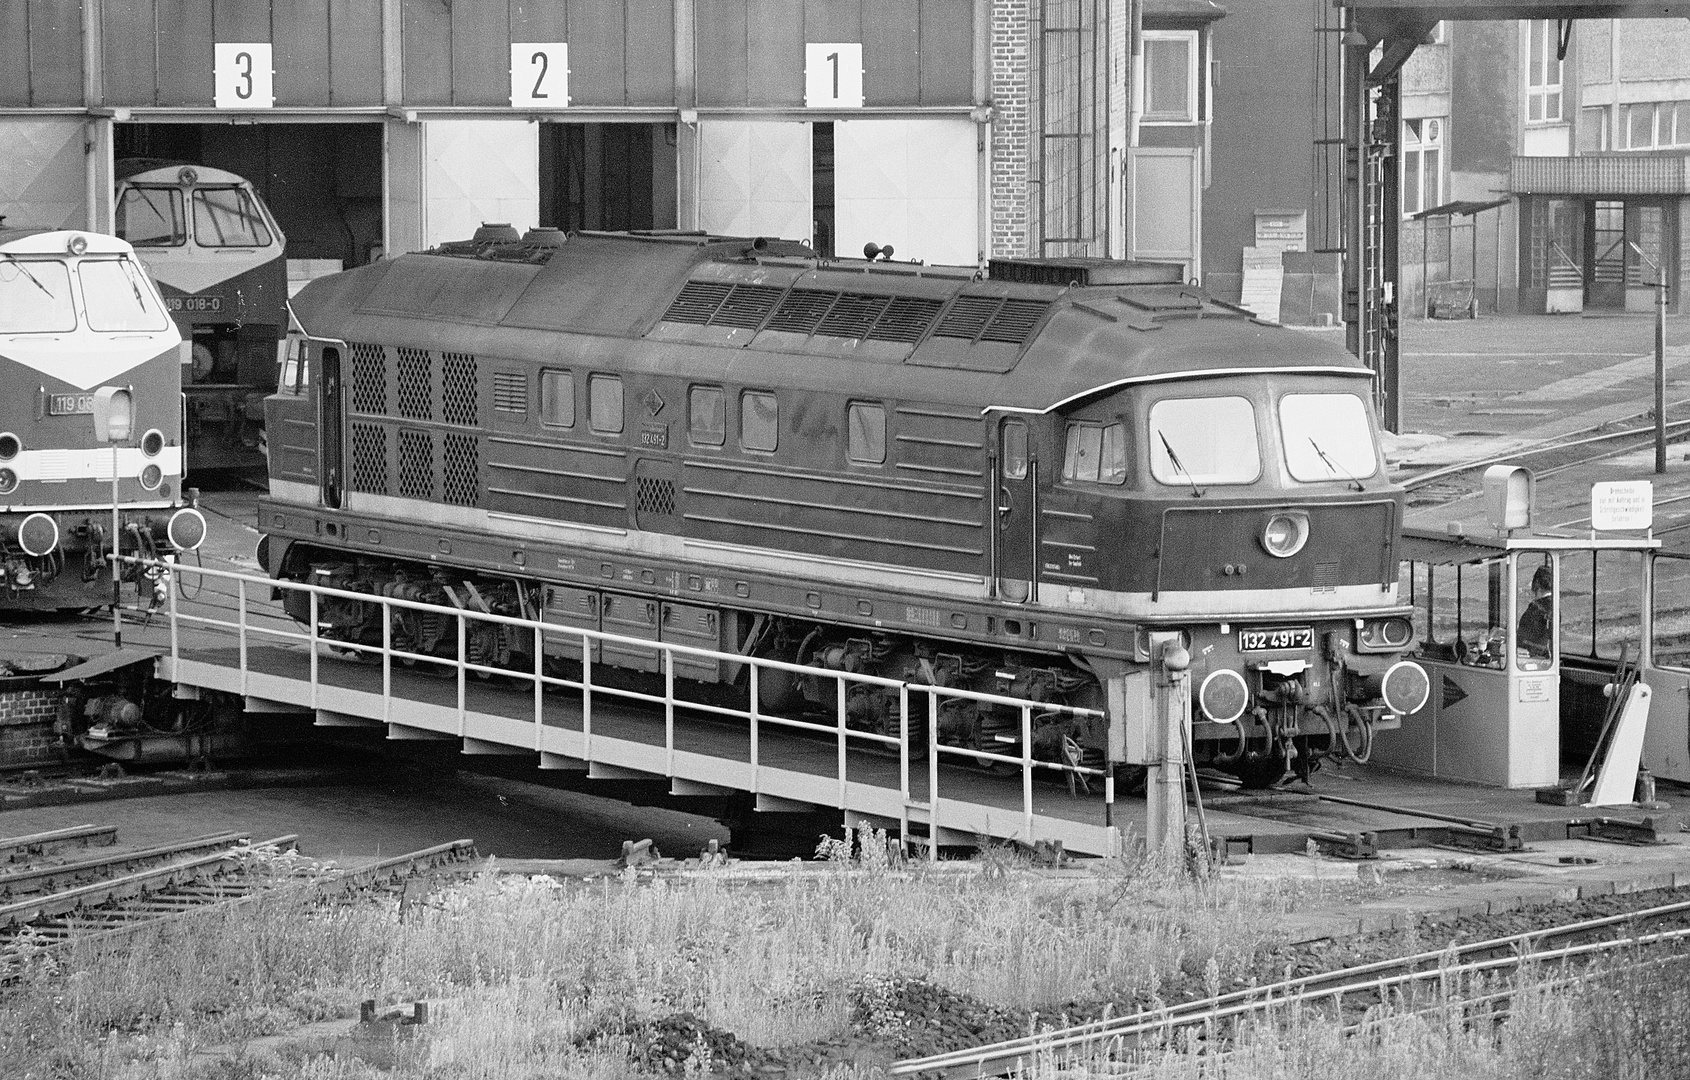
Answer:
(1264, 638)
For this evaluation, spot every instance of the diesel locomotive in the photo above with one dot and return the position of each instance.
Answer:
(216, 253)
(78, 312)
(1027, 479)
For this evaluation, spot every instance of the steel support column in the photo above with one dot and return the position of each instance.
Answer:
(1372, 130)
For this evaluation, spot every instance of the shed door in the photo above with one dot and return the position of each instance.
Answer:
(1015, 509)
(754, 178)
(913, 184)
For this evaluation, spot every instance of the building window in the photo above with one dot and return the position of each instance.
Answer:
(1422, 164)
(759, 420)
(1593, 129)
(1639, 125)
(865, 426)
(1170, 76)
(604, 404)
(707, 411)
(1543, 74)
(1646, 125)
(557, 399)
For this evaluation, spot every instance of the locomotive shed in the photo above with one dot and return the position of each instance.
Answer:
(1347, 810)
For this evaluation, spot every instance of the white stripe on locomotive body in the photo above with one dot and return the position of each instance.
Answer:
(92, 463)
(1342, 601)
(1191, 376)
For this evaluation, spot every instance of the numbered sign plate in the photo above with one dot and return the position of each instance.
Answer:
(539, 75)
(833, 75)
(241, 77)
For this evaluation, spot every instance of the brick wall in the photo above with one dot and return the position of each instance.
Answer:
(1011, 125)
(26, 726)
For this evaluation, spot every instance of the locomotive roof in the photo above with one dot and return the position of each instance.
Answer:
(169, 171)
(44, 241)
(718, 308)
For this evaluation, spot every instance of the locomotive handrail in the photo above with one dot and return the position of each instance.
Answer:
(588, 689)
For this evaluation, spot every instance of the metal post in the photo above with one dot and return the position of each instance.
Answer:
(932, 777)
(1165, 791)
(116, 571)
(669, 710)
(463, 674)
(1027, 770)
(904, 767)
(755, 670)
(586, 698)
(539, 689)
(1660, 371)
(840, 698)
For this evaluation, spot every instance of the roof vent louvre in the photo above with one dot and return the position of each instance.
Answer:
(802, 311)
(967, 317)
(853, 315)
(697, 303)
(1013, 324)
(906, 320)
(747, 306)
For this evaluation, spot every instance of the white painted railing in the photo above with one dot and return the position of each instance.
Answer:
(245, 631)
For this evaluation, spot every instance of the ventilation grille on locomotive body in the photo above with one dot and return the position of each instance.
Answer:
(902, 320)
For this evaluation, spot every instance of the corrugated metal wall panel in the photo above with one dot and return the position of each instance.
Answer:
(126, 34)
(947, 52)
(185, 53)
(426, 26)
(354, 52)
(719, 40)
(240, 20)
(651, 52)
(541, 22)
(481, 52)
(596, 54)
(55, 49)
(14, 55)
(774, 54)
(891, 52)
(837, 20)
(1605, 175)
(303, 64)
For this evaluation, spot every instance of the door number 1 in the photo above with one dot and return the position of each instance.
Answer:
(833, 75)
(539, 75)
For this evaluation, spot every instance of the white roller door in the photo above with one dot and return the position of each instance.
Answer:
(913, 184)
(754, 178)
(43, 179)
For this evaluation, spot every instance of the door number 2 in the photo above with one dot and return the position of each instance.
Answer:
(539, 75)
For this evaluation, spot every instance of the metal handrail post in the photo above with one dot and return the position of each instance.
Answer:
(314, 605)
(386, 662)
(840, 703)
(1027, 769)
(539, 690)
(669, 710)
(240, 622)
(586, 698)
(463, 671)
(755, 670)
(904, 767)
(175, 634)
(932, 777)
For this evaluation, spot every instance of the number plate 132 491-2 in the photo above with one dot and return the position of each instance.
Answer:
(1261, 639)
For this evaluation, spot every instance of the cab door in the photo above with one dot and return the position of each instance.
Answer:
(331, 449)
(1015, 510)
(289, 437)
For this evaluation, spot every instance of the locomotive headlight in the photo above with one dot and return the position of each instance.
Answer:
(151, 477)
(9, 446)
(1223, 696)
(152, 442)
(1285, 534)
(8, 481)
(1386, 635)
(78, 244)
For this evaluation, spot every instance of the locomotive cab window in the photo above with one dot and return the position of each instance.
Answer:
(1204, 441)
(1096, 453)
(116, 298)
(228, 217)
(604, 404)
(707, 416)
(1014, 450)
(865, 425)
(759, 420)
(152, 217)
(35, 297)
(1327, 437)
(557, 399)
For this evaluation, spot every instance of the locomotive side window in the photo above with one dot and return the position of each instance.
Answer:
(707, 416)
(228, 217)
(1670, 629)
(152, 217)
(866, 433)
(115, 298)
(1204, 441)
(759, 420)
(1014, 450)
(557, 399)
(34, 297)
(1326, 437)
(1097, 453)
(604, 404)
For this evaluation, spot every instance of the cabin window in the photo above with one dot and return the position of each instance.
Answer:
(1601, 605)
(1327, 437)
(1204, 441)
(34, 296)
(865, 426)
(152, 217)
(116, 298)
(604, 403)
(1670, 628)
(228, 217)
(707, 412)
(759, 420)
(557, 399)
(1097, 453)
(1014, 450)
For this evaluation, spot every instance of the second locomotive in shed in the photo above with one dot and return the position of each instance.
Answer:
(1027, 482)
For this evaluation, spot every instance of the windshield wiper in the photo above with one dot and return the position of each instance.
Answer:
(1196, 492)
(1332, 466)
(13, 259)
(134, 286)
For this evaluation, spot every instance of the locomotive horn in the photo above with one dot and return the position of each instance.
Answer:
(871, 251)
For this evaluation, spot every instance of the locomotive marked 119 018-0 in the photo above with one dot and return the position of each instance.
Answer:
(1027, 481)
(78, 312)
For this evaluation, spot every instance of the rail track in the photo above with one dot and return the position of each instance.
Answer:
(123, 892)
(1462, 975)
